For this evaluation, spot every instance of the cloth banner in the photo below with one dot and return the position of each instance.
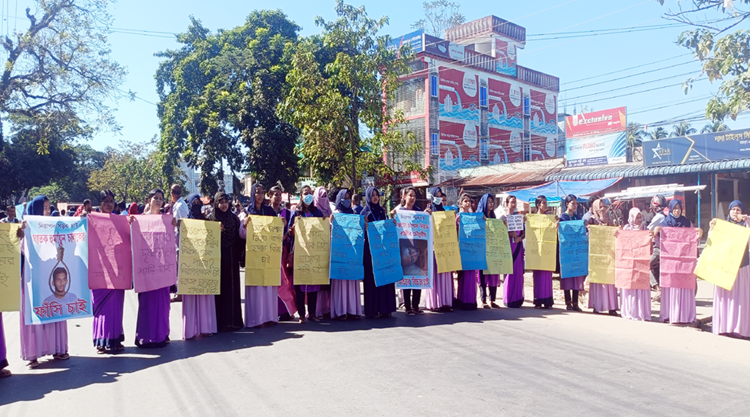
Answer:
(347, 246)
(574, 249)
(199, 272)
(472, 241)
(447, 252)
(721, 258)
(633, 259)
(499, 256)
(679, 253)
(154, 252)
(263, 249)
(386, 263)
(10, 267)
(110, 256)
(56, 276)
(602, 254)
(515, 222)
(312, 250)
(20, 209)
(541, 242)
(415, 249)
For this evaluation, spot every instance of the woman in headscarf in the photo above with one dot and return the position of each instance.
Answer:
(198, 311)
(731, 315)
(677, 304)
(305, 208)
(440, 297)
(228, 302)
(379, 301)
(572, 285)
(261, 305)
(38, 340)
(542, 279)
(635, 304)
(320, 198)
(466, 293)
(133, 209)
(487, 206)
(345, 298)
(286, 304)
(602, 297)
(411, 254)
(513, 289)
(108, 305)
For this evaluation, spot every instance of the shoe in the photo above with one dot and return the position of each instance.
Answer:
(353, 316)
(101, 350)
(485, 306)
(576, 308)
(418, 312)
(410, 312)
(613, 313)
(569, 307)
(316, 319)
(493, 305)
(4, 373)
(61, 357)
(33, 364)
(302, 320)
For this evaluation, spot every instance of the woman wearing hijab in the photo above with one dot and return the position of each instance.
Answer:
(466, 293)
(440, 297)
(731, 315)
(320, 198)
(305, 208)
(602, 297)
(133, 209)
(379, 301)
(261, 305)
(513, 290)
(486, 206)
(108, 305)
(572, 285)
(198, 311)
(228, 302)
(345, 298)
(286, 304)
(635, 304)
(542, 279)
(38, 340)
(411, 297)
(677, 304)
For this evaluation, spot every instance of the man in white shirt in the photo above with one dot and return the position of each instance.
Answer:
(180, 211)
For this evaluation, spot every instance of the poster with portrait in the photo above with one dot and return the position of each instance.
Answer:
(415, 249)
(55, 283)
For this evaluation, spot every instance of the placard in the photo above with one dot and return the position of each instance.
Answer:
(541, 242)
(447, 252)
(312, 250)
(152, 237)
(110, 256)
(200, 257)
(499, 256)
(721, 258)
(515, 222)
(263, 249)
(10, 267)
(679, 253)
(386, 263)
(347, 247)
(574, 249)
(602, 254)
(415, 248)
(472, 241)
(633, 259)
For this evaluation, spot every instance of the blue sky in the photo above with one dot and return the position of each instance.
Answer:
(576, 61)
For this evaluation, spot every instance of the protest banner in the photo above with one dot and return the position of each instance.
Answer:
(679, 253)
(447, 252)
(347, 246)
(312, 251)
(499, 256)
(541, 242)
(199, 271)
(154, 252)
(633, 259)
(414, 230)
(472, 241)
(574, 249)
(721, 258)
(263, 249)
(515, 222)
(10, 267)
(602, 254)
(110, 256)
(384, 251)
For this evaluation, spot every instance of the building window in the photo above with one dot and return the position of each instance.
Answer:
(434, 150)
(433, 86)
(482, 96)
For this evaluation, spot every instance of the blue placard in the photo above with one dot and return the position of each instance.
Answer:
(472, 241)
(386, 263)
(574, 249)
(347, 247)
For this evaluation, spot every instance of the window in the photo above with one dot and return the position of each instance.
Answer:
(433, 86)
(434, 149)
(482, 96)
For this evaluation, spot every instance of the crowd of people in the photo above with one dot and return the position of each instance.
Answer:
(205, 315)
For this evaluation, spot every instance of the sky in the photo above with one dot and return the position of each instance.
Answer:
(643, 64)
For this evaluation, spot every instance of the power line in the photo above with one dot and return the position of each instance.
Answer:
(627, 69)
(628, 76)
(638, 92)
(605, 32)
(632, 85)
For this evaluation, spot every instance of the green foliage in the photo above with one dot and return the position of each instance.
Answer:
(656, 134)
(439, 16)
(682, 129)
(714, 127)
(54, 192)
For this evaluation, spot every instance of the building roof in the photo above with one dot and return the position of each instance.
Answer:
(637, 170)
(510, 180)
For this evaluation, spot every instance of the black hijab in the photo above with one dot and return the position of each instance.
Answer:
(672, 221)
(228, 219)
(340, 197)
(195, 209)
(373, 212)
(433, 206)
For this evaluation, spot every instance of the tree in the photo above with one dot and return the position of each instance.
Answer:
(634, 138)
(54, 192)
(724, 53)
(656, 134)
(682, 129)
(439, 16)
(714, 127)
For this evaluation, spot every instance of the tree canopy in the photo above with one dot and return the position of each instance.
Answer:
(439, 16)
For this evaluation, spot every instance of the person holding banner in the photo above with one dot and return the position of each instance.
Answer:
(440, 297)
(466, 293)
(572, 285)
(410, 256)
(635, 304)
(305, 208)
(542, 279)
(345, 301)
(286, 303)
(324, 294)
(513, 296)
(487, 206)
(602, 297)
(228, 302)
(379, 301)
(731, 306)
(38, 340)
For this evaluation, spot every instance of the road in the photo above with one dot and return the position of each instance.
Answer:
(507, 362)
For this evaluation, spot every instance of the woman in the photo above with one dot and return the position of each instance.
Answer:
(305, 208)
(133, 209)
(677, 304)
(602, 297)
(198, 311)
(108, 305)
(4, 372)
(379, 301)
(731, 306)
(228, 302)
(487, 206)
(261, 305)
(573, 284)
(513, 290)
(440, 297)
(636, 304)
(466, 293)
(152, 328)
(286, 304)
(39, 340)
(542, 279)
(411, 254)
(345, 299)
(320, 198)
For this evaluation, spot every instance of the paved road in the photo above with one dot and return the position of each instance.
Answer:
(521, 362)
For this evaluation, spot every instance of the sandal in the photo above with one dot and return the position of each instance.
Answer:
(410, 312)
(315, 319)
(101, 350)
(33, 364)
(419, 312)
(61, 356)
(493, 305)
(485, 306)
(4, 373)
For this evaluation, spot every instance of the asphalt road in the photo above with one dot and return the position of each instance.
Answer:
(507, 362)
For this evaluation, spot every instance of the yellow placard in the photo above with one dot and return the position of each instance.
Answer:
(445, 244)
(199, 271)
(602, 254)
(499, 256)
(722, 256)
(10, 267)
(312, 250)
(263, 251)
(541, 242)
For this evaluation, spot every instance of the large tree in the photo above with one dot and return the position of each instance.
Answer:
(439, 16)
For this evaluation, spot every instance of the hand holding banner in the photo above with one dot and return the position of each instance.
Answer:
(415, 247)
(347, 247)
(386, 264)
(633, 259)
(679, 253)
(541, 242)
(312, 251)
(602, 254)
(447, 252)
(10, 267)
(499, 256)
(154, 252)
(200, 257)
(472, 241)
(574, 249)
(721, 258)
(263, 248)
(515, 222)
(110, 252)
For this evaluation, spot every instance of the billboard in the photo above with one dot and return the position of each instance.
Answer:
(414, 39)
(596, 123)
(443, 48)
(596, 138)
(693, 149)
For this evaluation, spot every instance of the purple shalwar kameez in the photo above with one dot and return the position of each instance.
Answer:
(441, 294)
(513, 289)
(108, 308)
(152, 327)
(3, 349)
(543, 289)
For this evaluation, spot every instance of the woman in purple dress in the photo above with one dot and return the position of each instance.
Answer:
(322, 203)
(513, 296)
(229, 301)
(466, 293)
(440, 297)
(635, 304)
(542, 279)
(379, 301)
(574, 285)
(602, 297)
(487, 206)
(305, 208)
(732, 307)
(345, 299)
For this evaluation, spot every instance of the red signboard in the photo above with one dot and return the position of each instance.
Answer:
(595, 123)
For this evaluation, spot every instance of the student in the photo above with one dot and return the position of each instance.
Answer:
(487, 206)
(410, 257)
(602, 297)
(305, 208)
(286, 305)
(542, 279)
(574, 284)
(513, 296)
(635, 304)
(440, 297)
(11, 213)
(356, 206)
(345, 298)
(228, 302)
(466, 293)
(658, 204)
(322, 203)
(379, 301)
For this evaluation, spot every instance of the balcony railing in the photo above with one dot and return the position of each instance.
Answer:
(485, 25)
(538, 79)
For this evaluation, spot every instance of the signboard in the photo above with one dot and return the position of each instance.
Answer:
(596, 138)
(693, 149)
(443, 48)
(413, 39)
(596, 123)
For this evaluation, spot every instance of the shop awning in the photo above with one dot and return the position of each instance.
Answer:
(563, 188)
(636, 170)
(515, 179)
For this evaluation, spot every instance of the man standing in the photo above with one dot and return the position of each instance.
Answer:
(179, 211)
(11, 212)
(355, 203)
(658, 203)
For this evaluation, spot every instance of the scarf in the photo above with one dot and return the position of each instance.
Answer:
(133, 209)
(228, 219)
(340, 197)
(433, 206)
(671, 220)
(733, 204)
(36, 207)
(195, 211)
(482, 206)
(373, 212)
(320, 199)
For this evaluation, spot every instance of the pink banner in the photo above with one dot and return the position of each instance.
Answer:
(632, 259)
(679, 256)
(110, 256)
(154, 252)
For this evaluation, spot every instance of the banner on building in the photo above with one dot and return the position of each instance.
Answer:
(10, 267)
(574, 249)
(694, 149)
(110, 256)
(154, 252)
(263, 248)
(721, 258)
(347, 246)
(596, 138)
(384, 251)
(679, 253)
(199, 271)
(541, 242)
(312, 250)
(447, 252)
(415, 247)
